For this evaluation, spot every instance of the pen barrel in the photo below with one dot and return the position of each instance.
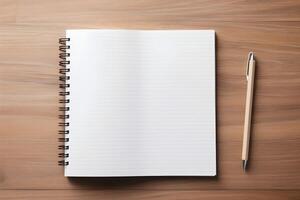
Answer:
(248, 110)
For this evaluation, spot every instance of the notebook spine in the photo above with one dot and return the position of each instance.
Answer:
(64, 100)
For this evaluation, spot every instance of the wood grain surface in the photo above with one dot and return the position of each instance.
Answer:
(29, 32)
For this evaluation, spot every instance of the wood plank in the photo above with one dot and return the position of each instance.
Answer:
(138, 194)
(29, 109)
(8, 11)
(94, 12)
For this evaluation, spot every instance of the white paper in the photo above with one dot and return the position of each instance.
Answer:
(142, 103)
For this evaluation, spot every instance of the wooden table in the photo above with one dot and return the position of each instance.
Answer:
(29, 32)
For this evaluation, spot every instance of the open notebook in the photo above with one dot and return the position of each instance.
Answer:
(138, 103)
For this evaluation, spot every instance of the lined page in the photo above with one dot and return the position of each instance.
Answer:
(142, 103)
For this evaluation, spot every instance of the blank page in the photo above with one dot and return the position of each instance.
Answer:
(142, 103)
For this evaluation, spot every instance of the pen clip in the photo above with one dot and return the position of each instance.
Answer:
(248, 62)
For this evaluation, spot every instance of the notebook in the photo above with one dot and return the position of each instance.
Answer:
(138, 103)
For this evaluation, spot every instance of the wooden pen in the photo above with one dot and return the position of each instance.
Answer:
(250, 74)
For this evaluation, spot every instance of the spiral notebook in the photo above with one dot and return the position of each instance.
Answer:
(138, 103)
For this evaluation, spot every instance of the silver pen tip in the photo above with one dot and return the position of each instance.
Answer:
(244, 163)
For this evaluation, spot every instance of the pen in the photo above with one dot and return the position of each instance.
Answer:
(250, 73)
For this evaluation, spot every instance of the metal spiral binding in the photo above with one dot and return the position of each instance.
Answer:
(64, 85)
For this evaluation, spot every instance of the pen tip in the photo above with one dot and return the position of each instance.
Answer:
(244, 163)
